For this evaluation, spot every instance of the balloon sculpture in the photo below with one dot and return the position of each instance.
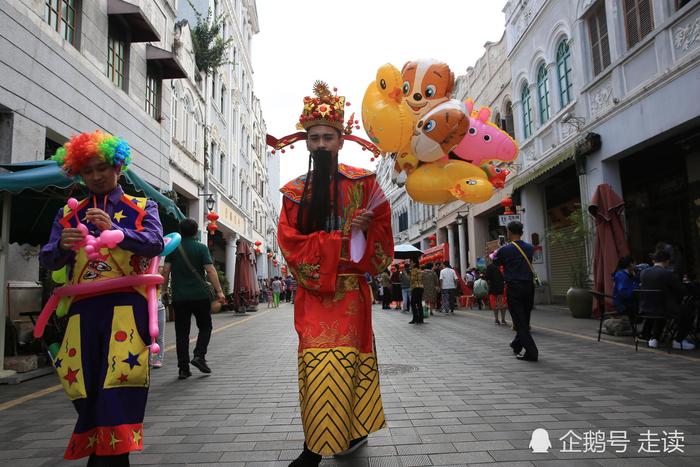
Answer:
(445, 147)
(108, 239)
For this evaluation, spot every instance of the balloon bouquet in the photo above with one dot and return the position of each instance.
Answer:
(60, 299)
(444, 146)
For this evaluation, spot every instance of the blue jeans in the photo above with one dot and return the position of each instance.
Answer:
(406, 294)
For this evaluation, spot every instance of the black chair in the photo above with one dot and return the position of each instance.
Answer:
(657, 310)
(600, 298)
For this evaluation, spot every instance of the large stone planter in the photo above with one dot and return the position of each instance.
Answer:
(580, 302)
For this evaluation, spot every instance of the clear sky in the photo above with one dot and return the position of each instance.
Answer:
(344, 42)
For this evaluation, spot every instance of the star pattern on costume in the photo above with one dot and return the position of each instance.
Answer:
(132, 360)
(123, 378)
(137, 436)
(71, 376)
(58, 362)
(113, 440)
(92, 441)
(119, 215)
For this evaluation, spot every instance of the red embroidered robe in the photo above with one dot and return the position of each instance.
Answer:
(338, 374)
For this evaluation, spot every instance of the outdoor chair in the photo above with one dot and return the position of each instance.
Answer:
(645, 296)
(601, 298)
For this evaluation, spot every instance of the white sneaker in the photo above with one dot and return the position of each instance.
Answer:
(653, 343)
(683, 345)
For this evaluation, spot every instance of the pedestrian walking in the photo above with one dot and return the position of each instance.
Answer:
(396, 295)
(430, 287)
(416, 293)
(516, 259)
(340, 402)
(156, 360)
(276, 291)
(481, 290)
(386, 290)
(186, 266)
(288, 288)
(494, 277)
(405, 279)
(448, 286)
(104, 370)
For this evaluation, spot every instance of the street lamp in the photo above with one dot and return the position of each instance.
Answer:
(210, 202)
(462, 215)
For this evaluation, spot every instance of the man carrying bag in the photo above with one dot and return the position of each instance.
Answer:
(520, 277)
(192, 295)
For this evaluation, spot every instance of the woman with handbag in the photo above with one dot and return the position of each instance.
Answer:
(192, 295)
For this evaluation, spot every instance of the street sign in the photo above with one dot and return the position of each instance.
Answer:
(503, 220)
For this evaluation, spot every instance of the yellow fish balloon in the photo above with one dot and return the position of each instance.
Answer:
(385, 116)
(444, 181)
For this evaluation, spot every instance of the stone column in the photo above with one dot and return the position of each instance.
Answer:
(462, 247)
(451, 242)
(231, 259)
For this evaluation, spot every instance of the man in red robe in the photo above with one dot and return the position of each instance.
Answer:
(338, 372)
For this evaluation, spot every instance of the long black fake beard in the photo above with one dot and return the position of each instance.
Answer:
(318, 210)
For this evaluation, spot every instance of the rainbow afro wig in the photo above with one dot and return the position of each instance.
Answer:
(73, 155)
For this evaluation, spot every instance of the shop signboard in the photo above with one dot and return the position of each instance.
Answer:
(504, 219)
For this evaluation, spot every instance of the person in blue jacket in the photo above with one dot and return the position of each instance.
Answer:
(625, 283)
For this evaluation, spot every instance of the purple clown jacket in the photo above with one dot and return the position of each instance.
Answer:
(103, 360)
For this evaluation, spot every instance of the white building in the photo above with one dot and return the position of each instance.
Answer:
(468, 228)
(624, 72)
(236, 174)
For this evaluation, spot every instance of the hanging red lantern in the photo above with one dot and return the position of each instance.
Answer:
(211, 226)
(507, 204)
(258, 243)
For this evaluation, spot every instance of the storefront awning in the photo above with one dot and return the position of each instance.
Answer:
(167, 63)
(41, 188)
(435, 254)
(140, 28)
(540, 169)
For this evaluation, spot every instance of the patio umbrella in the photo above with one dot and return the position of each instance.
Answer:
(406, 251)
(245, 283)
(610, 244)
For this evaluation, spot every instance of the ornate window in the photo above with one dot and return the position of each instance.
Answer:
(508, 121)
(564, 72)
(639, 20)
(543, 93)
(527, 111)
(598, 31)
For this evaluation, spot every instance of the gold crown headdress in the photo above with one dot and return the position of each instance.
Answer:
(324, 108)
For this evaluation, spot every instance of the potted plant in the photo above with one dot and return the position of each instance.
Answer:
(575, 233)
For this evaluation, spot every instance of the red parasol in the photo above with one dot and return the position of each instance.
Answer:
(610, 243)
(245, 284)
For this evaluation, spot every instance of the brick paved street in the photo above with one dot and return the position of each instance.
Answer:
(453, 395)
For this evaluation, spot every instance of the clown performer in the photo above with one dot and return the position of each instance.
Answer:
(103, 360)
(322, 210)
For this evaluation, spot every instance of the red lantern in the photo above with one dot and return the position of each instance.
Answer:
(211, 226)
(507, 204)
(258, 243)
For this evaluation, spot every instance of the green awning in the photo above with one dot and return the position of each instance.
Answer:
(551, 162)
(40, 188)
